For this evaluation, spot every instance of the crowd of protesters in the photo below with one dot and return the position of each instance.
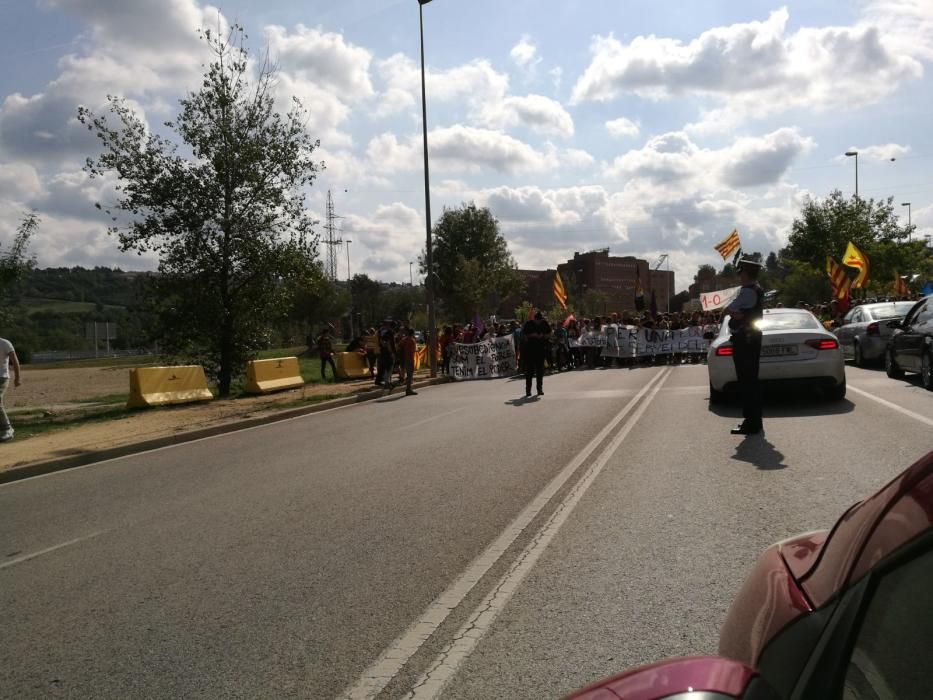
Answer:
(563, 351)
(390, 349)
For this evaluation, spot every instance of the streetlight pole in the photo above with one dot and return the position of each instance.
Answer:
(907, 204)
(429, 256)
(411, 279)
(348, 242)
(855, 153)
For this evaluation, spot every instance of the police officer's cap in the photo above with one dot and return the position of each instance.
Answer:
(750, 263)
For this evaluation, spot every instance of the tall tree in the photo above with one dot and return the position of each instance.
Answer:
(473, 268)
(225, 214)
(825, 227)
(15, 261)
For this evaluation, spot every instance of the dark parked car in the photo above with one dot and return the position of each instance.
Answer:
(911, 347)
(864, 333)
(844, 614)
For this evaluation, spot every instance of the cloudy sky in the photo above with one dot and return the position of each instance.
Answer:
(645, 127)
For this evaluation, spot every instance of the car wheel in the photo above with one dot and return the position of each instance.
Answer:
(838, 392)
(716, 396)
(890, 366)
(925, 370)
(858, 360)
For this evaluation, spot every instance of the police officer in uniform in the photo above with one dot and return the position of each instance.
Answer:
(744, 314)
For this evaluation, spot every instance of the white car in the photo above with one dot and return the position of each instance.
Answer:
(794, 348)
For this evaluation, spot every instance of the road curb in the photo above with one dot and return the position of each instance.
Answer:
(91, 456)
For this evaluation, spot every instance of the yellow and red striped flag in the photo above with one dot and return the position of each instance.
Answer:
(900, 287)
(559, 292)
(838, 277)
(857, 259)
(729, 245)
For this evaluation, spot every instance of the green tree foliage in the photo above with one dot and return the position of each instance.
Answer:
(15, 261)
(825, 227)
(228, 221)
(473, 268)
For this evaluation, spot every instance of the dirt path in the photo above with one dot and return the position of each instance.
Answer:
(53, 387)
(138, 426)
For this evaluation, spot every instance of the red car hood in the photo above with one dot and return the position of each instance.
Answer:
(665, 678)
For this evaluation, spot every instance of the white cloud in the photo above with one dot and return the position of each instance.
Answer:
(576, 158)
(557, 76)
(458, 148)
(906, 24)
(673, 159)
(886, 151)
(622, 127)
(536, 112)
(385, 241)
(525, 54)
(753, 69)
(323, 59)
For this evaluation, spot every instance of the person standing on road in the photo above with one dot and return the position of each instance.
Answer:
(536, 340)
(7, 359)
(408, 349)
(325, 346)
(744, 314)
(386, 355)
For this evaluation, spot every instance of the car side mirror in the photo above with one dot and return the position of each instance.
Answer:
(894, 324)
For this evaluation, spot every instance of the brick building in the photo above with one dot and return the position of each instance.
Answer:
(598, 271)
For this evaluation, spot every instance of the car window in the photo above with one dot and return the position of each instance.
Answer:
(791, 320)
(850, 317)
(895, 310)
(889, 659)
(912, 315)
(924, 314)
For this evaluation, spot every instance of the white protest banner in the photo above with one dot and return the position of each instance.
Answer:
(662, 342)
(491, 358)
(716, 300)
(629, 341)
(590, 339)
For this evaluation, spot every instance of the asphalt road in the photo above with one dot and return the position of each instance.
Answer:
(462, 543)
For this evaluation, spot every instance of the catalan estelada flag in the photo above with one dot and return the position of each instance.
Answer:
(729, 245)
(900, 287)
(839, 278)
(559, 292)
(857, 259)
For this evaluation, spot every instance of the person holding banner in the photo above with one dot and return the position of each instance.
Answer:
(535, 344)
(744, 313)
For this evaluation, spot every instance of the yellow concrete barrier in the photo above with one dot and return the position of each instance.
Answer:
(156, 386)
(351, 365)
(263, 376)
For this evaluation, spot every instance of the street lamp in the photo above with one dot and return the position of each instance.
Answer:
(428, 257)
(348, 242)
(411, 279)
(855, 153)
(907, 204)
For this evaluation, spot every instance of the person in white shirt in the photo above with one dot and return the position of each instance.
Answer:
(7, 359)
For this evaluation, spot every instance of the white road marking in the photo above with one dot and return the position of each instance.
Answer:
(381, 672)
(447, 663)
(47, 550)
(434, 417)
(892, 406)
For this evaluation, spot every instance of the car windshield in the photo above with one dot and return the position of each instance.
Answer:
(788, 321)
(897, 309)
